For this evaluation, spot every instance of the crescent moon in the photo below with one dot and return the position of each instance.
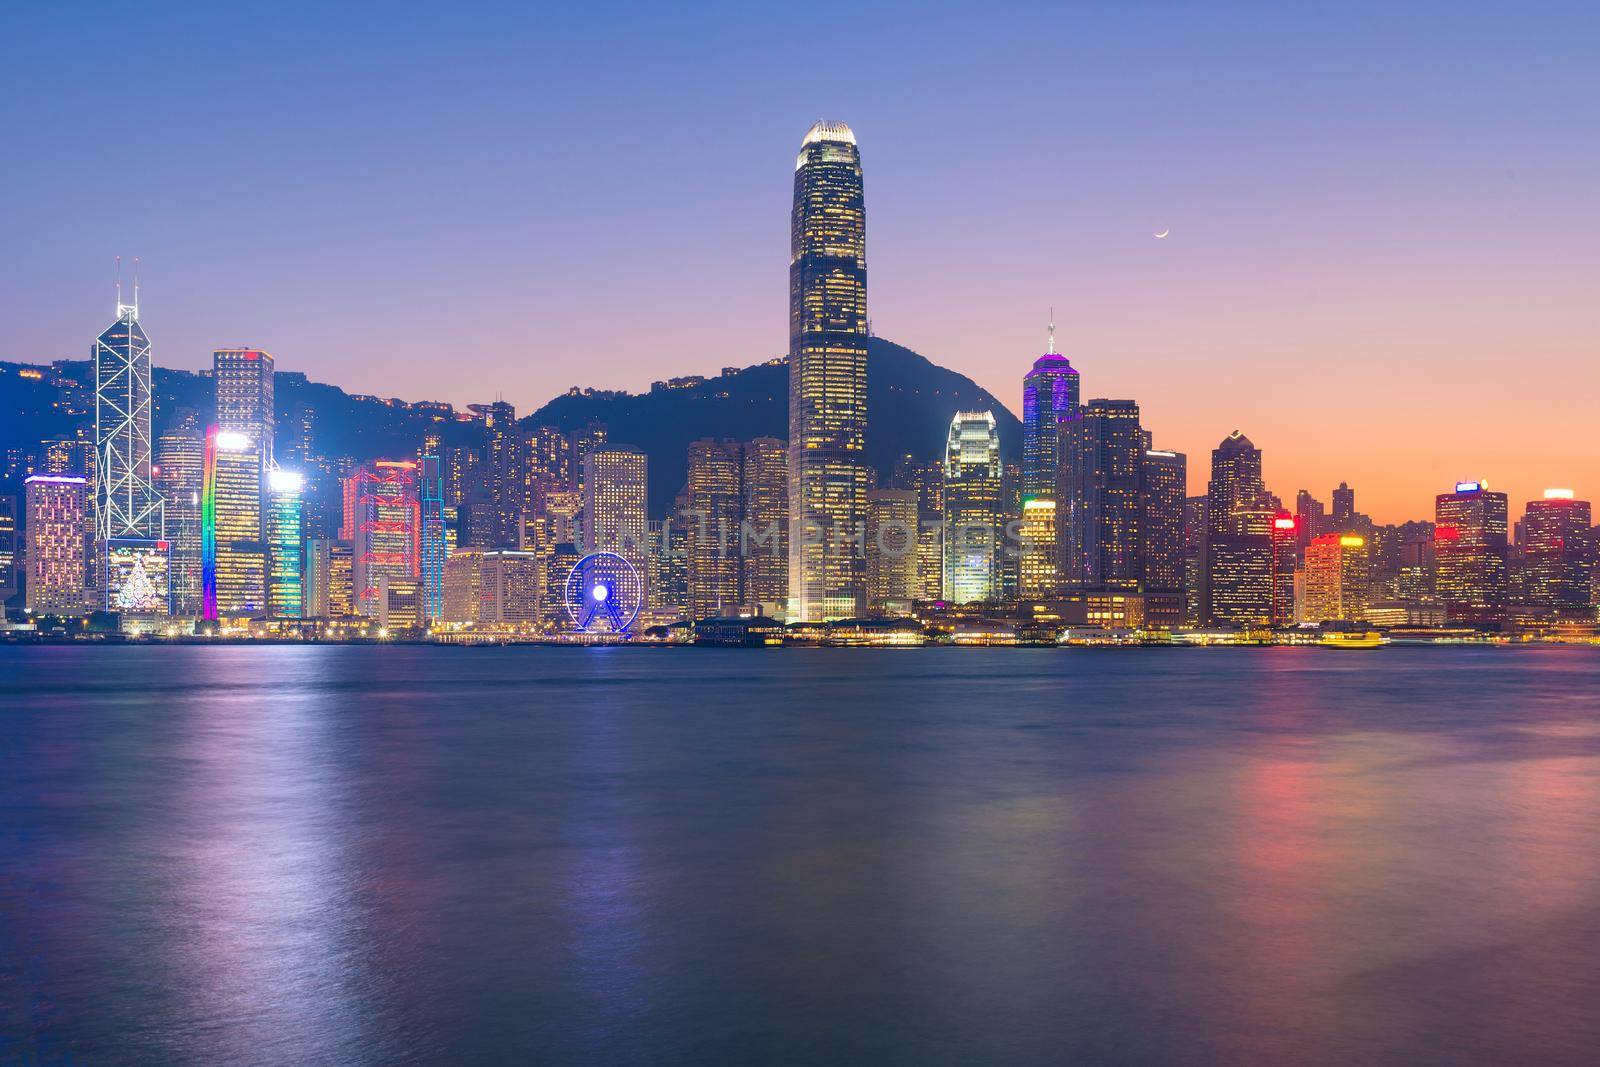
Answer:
(1164, 232)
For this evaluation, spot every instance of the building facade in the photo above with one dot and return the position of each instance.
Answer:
(128, 521)
(1335, 579)
(1098, 496)
(1470, 541)
(828, 473)
(1239, 557)
(1050, 397)
(973, 527)
(286, 596)
(1559, 554)
(233, 552)
(57, 535)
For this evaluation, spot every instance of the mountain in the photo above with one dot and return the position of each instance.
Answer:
(910, 400)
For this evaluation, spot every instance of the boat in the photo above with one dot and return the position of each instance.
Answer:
(1351, 639)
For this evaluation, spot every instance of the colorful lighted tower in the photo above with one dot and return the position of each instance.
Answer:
(56, 507)
(180, 475)
(233, 557)
(1049, 398)
(828, 473)
(382, 520)
(127, 506)
(285, 545)
(434, 546)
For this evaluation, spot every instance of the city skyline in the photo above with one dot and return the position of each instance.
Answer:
(1332, 285)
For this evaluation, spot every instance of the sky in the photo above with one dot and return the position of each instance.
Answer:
(1384, 234)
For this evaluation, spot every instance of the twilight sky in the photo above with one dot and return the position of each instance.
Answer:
(1384, 249)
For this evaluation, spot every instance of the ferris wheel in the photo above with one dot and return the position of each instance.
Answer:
(604, 593)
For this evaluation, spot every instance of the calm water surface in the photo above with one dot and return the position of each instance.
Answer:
(341, 855)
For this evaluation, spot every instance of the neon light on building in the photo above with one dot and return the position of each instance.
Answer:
(285, 550)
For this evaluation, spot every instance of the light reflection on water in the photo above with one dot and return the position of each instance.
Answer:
(326, 854)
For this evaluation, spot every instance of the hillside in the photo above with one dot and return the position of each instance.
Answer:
(910, 400)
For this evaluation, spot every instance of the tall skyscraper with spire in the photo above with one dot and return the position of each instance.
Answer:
(828, 472)
(128, 518)
(1049, 397)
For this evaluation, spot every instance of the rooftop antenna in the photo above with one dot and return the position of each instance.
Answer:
(119, 285)
(136, 287)
(1050, 348)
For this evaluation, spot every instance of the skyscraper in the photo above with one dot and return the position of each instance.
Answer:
(127, 506)
(285, 545)
(1239, 517)
(1163, 484)
(180, 476)
(233, 557)
(1038, 572)
(504, 472)
(10, 580)
(1098, 497)
(57, 508)
(1469, 537)
(1336, 578)
(433, 544)
(715, 499)
(764, 550)
(1559, 555)
(1049, 398)
(383, 523)
(1344, 508)
(828, 473)
(893, 581)
(244, 390)
(972, 523)
(1285, 553)
(614, 494)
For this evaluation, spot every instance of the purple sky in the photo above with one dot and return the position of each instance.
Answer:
(1382, 263)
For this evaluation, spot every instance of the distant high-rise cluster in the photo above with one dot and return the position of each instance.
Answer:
(260, 506)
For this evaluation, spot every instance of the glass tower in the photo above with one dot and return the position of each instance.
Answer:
(828, 473)
(972, 471)
(1049, 398)
(285, 547)
(127, 506)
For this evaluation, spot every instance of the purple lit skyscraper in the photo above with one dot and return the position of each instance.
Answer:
(1049, 398)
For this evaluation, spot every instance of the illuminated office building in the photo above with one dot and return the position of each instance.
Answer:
(1098, 496)
(893, 579)
(1239, 550)
(1285, 557)
(1469, 540)
(433, 545)
(10, 579)
(1163, 486)
(1336, 579)
(330, 586)
(972, 518)
(1049, 398)
(1558, 553)
(57, 532)
(504, 476)
(765, 551)
(383, 523)
(243, 378)
(614, 495)
(715, 499)
(828, 473)
(547, 463)
(1039, 572)
(497, 587)
(233, 556)
(285, 546)
(180, 458)
(127, 506)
